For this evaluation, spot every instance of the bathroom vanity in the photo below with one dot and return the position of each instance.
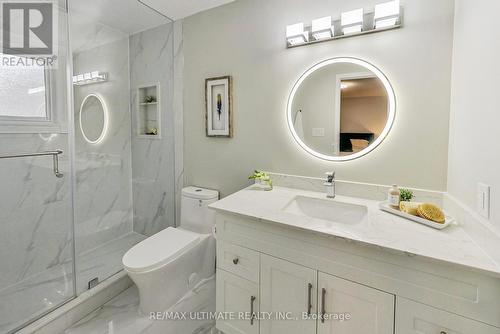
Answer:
(296, 252)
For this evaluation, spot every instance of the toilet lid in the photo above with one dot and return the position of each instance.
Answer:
(159, 249)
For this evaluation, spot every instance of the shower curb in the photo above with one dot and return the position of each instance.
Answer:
(76, 309)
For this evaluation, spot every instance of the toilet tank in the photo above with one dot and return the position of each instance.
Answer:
(195, 214)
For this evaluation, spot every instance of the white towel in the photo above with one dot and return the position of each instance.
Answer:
(297, 124)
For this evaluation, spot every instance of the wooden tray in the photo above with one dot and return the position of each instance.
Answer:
(384, 206)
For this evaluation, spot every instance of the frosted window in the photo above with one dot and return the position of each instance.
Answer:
(23, 92)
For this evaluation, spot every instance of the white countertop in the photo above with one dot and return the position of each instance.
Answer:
(451, 244)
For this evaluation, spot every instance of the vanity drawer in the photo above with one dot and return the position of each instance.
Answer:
(239, 298)
(416, 318)
(238, 260)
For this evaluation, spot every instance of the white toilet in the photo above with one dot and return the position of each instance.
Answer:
(168, 264)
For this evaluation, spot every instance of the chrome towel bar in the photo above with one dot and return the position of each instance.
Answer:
(54, 154)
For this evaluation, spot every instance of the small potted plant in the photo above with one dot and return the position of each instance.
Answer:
(406, 195)
(262, 180)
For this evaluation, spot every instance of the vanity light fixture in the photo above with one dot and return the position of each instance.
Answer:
(386, 14)
(322, 28)
(361, 21)
(296, 35)
(352, 21)
(90, 78)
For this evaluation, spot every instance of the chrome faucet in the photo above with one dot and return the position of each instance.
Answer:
(330, 184)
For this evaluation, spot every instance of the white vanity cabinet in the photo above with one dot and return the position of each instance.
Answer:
(370, 311)
(290, 289)
(239, 298)
(416, 318)
(295, 299)
(288, 272)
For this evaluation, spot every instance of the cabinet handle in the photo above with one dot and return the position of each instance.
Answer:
(323, 310)
(252, 316)
(236, 260)
(309, 296)
(443, 332)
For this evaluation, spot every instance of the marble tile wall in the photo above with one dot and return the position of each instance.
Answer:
(103, 192)
(36, 228)
(153, 160)
(36, 224)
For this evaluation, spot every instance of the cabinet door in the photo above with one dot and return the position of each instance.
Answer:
(239, 298)
(288, 292)
(416, 318)
(353, 308)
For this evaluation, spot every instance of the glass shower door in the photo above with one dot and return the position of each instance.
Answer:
(36, 213)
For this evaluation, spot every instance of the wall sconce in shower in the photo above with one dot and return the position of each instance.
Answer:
(90, 78)
(384, 16)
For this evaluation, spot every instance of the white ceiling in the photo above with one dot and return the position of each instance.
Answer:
(179, 9)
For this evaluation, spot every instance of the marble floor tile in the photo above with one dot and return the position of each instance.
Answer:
(121, 315)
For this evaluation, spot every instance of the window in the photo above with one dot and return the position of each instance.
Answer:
(23, 93)
(27, 102)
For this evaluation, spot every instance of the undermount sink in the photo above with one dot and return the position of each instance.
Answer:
(330, 210)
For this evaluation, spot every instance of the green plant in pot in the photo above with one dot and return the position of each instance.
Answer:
(406, 195)
(263, 179)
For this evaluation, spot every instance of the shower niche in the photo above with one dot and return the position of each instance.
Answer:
(148, 112)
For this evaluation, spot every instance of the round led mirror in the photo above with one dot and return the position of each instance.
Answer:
(93, 118)
(341, 109)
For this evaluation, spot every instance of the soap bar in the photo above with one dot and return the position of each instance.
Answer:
(409, 207)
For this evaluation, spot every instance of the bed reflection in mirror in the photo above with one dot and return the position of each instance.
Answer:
(363, 113)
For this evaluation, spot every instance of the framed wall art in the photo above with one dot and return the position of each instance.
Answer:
(219, 113)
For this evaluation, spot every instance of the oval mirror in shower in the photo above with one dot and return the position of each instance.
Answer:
(93, 118)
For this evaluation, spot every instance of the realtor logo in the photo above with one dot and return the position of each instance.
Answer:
(29, 28)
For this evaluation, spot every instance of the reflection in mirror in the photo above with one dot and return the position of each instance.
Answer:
(363, 113)
(341, 109)
(93, 119)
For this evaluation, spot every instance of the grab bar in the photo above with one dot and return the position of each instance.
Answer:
(54, 154)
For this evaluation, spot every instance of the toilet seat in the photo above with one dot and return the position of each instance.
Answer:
(160, 249)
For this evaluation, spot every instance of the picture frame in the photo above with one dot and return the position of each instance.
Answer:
(218, 102)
